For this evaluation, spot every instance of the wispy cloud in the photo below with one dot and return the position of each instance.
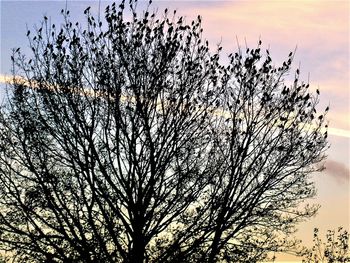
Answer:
(332, 131)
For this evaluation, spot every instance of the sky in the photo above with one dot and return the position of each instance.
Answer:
(317, 29)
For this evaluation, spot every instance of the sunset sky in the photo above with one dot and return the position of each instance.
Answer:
(318, 30)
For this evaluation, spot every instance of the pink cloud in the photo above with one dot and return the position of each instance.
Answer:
(290, 22)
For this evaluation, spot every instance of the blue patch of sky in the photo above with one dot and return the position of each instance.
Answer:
(18, 16)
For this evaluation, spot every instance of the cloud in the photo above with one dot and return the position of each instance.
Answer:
(9, 79)
(340, 172)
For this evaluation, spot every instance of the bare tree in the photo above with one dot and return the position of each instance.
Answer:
(127, 140)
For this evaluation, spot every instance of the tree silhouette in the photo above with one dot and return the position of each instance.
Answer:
(334, 249)
(127, 140)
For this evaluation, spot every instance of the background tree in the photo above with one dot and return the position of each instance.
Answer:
(334, 249)
(127, 140)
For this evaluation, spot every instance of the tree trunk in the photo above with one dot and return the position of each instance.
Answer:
(215, 245)
(138, 250)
